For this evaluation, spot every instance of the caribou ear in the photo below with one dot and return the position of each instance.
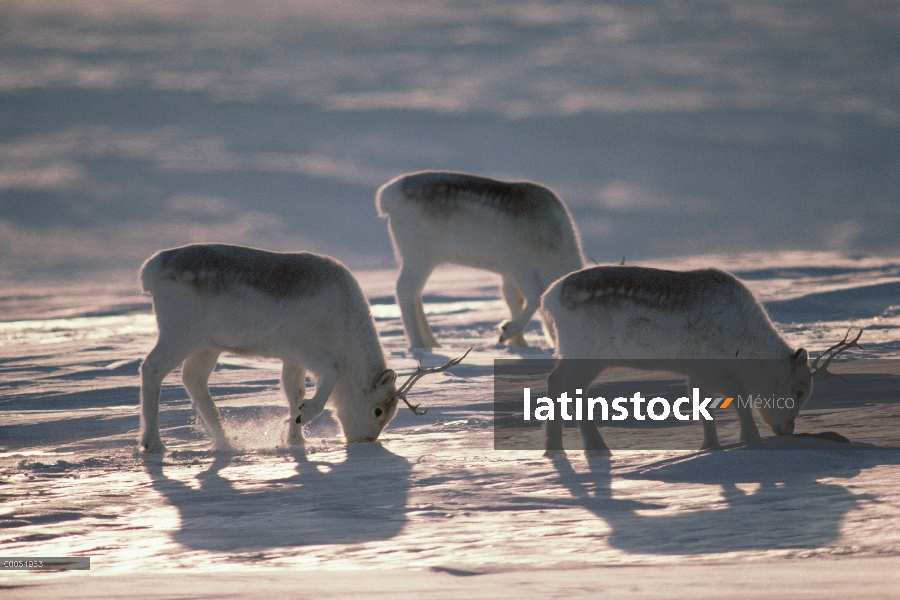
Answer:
(385, 377)
(799, 358)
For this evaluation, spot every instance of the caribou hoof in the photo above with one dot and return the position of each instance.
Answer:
(153, 446)
(308, 412)
(598, 452)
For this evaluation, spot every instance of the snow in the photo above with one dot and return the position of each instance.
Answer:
(431, 501)
(755, 136)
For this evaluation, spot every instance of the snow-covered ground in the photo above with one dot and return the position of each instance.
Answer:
(431, 502)
(747, 128)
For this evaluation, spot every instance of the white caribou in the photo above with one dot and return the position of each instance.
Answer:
(520, 230)
(304, 309)
(640, 313)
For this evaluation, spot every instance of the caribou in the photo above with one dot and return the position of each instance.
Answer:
(518, 229)
(636, 313)
(304, 309)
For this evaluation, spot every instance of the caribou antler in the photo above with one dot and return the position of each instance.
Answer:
(833, 352)
(420, 372)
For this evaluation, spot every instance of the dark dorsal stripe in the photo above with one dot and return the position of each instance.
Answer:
(218, 268)
(445, 193)
(655, 288)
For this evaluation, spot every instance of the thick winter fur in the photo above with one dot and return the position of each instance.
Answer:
(641, 313)
(520, 230)
(303, 309)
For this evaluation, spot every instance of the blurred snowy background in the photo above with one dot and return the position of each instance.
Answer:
(669, 128)
(765, 133)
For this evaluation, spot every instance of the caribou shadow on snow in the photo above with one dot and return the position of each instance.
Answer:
(789, 509)
(360, 500)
